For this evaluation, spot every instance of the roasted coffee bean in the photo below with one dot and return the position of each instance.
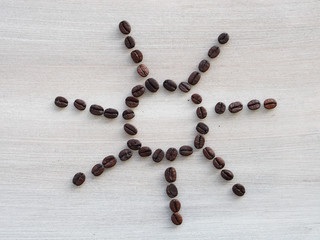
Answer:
(111, 113)
(96, 110)
(235, 107)
(184, 87)
(254, 104)
(199, 142)
(172, 190)
(145, 151)
(238, 189)
(97, 169)
(227, 174)
(201, 112)
(270, 103)
(175, 205)
(214, 52)
(204, 65)
(142, 70)
(223, 38)
(109, 161)
(170, 85)
(128, 114)
(196, 98)
(129, 42)
(170, 174)
(176, 218)
(208, 153)
(220, 108)
(134, 144)
(138, 91)
(132, 102)
(185, 150)
(125, 154)
(218, 163)
(130, 129)
(78, 178)
(202, 128)
(124, 27)
(137, 56)
(61, 102)
(171, 154)
(80, 104)
(152, 85)
(194, 78)
(158, 155)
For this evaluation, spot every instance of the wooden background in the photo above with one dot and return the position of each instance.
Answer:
(74, 49)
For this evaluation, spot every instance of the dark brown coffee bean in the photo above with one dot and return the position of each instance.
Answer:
(97, 169)
(134, 144)
(61, 102)
(204, 66)
(227, 174)
(208, 153)
(223, 38)
(235, 107)
(218, 163)
(96, 110)
(185, 150)
(137, 56)
(152, 85)
(194, 78)
(109, 161)
(172, 190)
(220, 108)
(78, 178)
(138, 91)
(80, 104)
(201, 112)
(270, 103)
(158, 155)
(184, 87)
(142, 70)
(214, 52)
(111, 113)
(170, 174)
(124, 27)
(129, 42)
(170, 85)
(171, 154)
(202, 128)
(128, 114)
(145, 151)
(125, 154)
(176, 218)
(132, 102)
(199, 142)
(254, 104)
(196, 98)
(130, 129)
(175, 205)
(238, 189)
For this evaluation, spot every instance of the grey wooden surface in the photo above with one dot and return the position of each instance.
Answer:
(74, 49)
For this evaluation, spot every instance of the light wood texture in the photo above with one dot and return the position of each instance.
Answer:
(74, 49)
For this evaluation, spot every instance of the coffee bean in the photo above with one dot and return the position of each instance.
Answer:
(145, 151)
(235, 107)
(152, 85)
(128, 114)
(132, 102)
(97, 169)
(199, 142)
(96, 110)
(109, 161)
(175, 205)
(61, 102)
(125, 154)
(185, 150)
(204, 66)
(202, 128)
(170, 174)
(194, 78)
(208, 153)
(171, 154)
(172, 190)
(142, 70)
(223, 38)
(201, 112)
(254, 104)
(218, 163)
(78, 178)
(130, 129)
(129, 42)
(134, 144)
(80, 104)
(176, 218)
(138, 91)
(184, 87)
(170, 85)
(220, 108)
(196, 98)
(270, 103)
(214, 52)
(124, 27)
(137, 56)
(111, 113)
(227, 174)
(238, 189)
(158, 155)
